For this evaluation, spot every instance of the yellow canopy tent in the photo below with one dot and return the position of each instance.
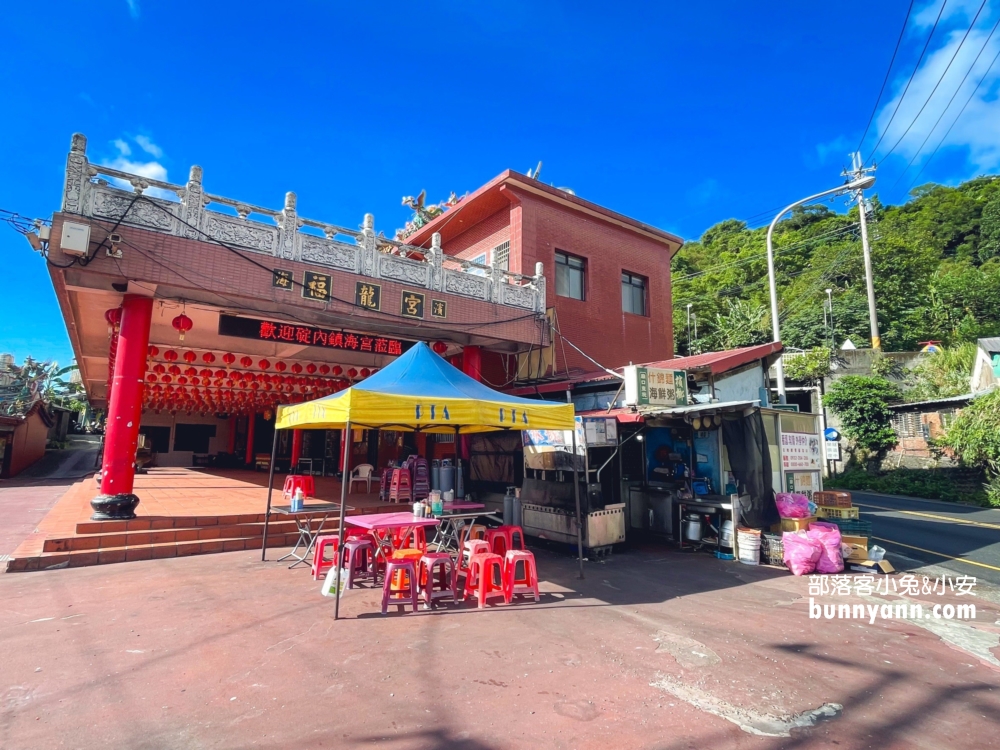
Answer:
(419, 391)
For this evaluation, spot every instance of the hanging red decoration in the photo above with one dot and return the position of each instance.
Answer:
(208, 358)
(439, 347)
(365, 372)
(153, 351)
(205, 372)
(324, 369)
(174, 370)
(190, 357)
(114, 318)
(264, 364)
(246, 361)
(159, 369)
(166, 378)
(182, 380)
(311, 369)
(337, 369)
(296, 368)
(151, 378)
(228, 358)
(221, 373)
(353, 373)
(280, 366)
(170, 355)
(182, 324)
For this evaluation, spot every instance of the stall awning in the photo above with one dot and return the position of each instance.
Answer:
(624, 415)
(697, 410)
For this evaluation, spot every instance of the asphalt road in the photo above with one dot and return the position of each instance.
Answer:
(961, 538)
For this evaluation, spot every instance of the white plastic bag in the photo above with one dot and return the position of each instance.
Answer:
(330, 582)
(876, 554)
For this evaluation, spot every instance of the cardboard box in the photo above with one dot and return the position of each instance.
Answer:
(882, 566)
(858, 545)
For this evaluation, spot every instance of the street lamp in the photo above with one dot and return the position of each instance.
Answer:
(833, 335)
(859, 184)
(689, 306)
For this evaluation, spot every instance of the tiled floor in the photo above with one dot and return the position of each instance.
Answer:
(191, 511)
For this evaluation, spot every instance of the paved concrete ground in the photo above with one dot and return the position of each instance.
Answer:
(961, 538)
(654, 649)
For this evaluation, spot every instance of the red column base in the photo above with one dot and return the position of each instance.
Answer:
(114, 507)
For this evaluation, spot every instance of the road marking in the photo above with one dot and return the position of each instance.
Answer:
(939, 554)
(982, 524)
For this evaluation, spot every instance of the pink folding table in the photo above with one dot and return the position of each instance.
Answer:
(402, 522)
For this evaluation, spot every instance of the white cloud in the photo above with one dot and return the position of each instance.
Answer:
(133, 8)
(147, 145)
(926, 16)
(977, 132)
(123, 148)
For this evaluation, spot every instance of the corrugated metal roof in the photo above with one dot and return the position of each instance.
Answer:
(719, 362)
(965, 397)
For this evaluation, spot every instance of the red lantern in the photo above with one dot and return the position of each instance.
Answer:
(159, 369)
(153, 351)
(174, 370)
(311, 369)
(114, 318)
(151, 378)
(440, 347)
(352, 373)
(166, 378)
(246, 361)
(337, 369)
(228, 358)
(182, 324)
(324, 369)
(280, 366)
(205, 373)
(365, 372)
(209, 358)
(190, 357)
(182, 380)
(264, 364)
(221, 373)
(296, 368)
(170, 355)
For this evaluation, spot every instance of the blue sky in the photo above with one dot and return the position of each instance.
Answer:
(679, 114)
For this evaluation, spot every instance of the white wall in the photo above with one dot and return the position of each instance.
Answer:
(741, 385)
(219, 443)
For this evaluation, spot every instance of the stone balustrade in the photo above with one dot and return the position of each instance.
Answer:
(99, 192)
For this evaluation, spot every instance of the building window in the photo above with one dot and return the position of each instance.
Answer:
(501, 256)
(570, 272)
(633, 293)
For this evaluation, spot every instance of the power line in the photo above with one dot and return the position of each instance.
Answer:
(947, 106)
(910, 80)
(939, 80)
(885, 80)
(947, 132)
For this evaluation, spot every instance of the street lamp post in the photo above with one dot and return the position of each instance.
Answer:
(689, 306)
(833, 334)
(860, 184)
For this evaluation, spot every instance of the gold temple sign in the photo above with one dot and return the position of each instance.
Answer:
(412, 304)
(316, 286)
(439, 308)
(283, 279)
(368, 296)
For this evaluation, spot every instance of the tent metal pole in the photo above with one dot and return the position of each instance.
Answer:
(576, 494)
(270, 487)
(344, 482)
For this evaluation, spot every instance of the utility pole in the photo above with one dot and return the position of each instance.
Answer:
(689, 306)
(833, 334)
(857, 172)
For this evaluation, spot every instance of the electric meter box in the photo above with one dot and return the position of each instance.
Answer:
(75, 239)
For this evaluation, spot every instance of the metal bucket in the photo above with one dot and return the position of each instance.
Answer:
(692, 527)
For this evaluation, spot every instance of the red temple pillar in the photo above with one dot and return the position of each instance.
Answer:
(121, 435)
(231, 448)
(251, 422)
(296, 448)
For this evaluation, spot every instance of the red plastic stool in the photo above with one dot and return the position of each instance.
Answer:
(400, 488)
(299, 481)
(447, 577)
(360, 562)
(512, 585)
(320, 563)
(499, 540)
(485, 578)
(416, 538)
(399, 594)
(469, 548)
(515, 537)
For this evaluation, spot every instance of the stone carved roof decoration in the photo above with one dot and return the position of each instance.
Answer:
(188, 211)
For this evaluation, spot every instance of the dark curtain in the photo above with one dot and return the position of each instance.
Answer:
(750, 459)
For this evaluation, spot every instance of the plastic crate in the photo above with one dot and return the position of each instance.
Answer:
(832, 499)
(853, 526)
(830, 513)
(772, 549)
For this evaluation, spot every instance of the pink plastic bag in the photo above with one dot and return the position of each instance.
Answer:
(792, 505)
(828, 535)
(800, 552)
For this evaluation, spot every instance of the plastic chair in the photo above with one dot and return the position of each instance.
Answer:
(360, 561)
(421, 478)
(469, 548)
(401, 488)
(394, 591)
(385, 481)
(295, 482)
(415, 538)
(528, 584)
(320, 563)
(485, 578)
(362, 473)
(447, 579)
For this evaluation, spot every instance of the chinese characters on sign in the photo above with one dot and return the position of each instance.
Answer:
(439, 308)
(268, 330)
(800, 451)
(316, 286)
(906, 585)
(651, 386)
(283, 279)
(368, 296)
(412, 304)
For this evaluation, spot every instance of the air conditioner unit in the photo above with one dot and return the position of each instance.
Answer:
(75, 239)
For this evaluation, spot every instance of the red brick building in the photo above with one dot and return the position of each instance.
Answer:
(193, 315)
(608, 276)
